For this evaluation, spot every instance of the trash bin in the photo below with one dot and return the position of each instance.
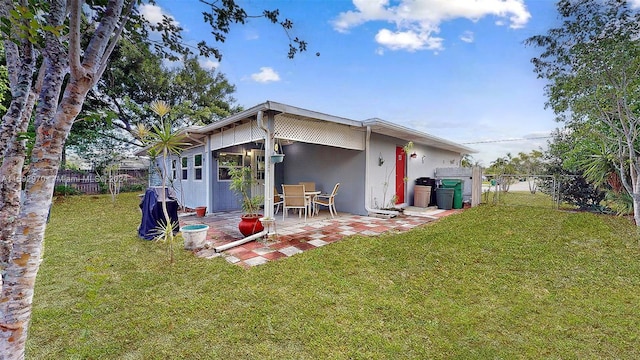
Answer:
(427, 181)
(456, 185)
(421, 196)
(444, 198)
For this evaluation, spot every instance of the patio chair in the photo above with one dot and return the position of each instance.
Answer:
(328, 200)
(294, 198)
(277, 199)
(308, 186)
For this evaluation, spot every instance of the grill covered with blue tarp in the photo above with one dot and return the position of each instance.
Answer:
(152, 214)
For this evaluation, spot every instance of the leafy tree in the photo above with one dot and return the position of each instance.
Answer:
(530, 165)
(48, 59)
(501, 168)
(200, 96)
(133, 80)
(569, 183)
(592, 63)
(467, 161)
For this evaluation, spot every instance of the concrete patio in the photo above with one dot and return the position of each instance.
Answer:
(294, 235)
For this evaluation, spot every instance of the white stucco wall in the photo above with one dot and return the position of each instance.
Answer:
(382, 147)
(423, 165)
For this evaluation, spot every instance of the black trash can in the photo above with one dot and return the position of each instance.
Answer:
(444, 198)
(424, 181)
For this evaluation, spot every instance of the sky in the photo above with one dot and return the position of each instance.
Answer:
(456, 69)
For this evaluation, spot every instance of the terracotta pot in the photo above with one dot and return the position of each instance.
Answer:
(250, 224)
(201, 211)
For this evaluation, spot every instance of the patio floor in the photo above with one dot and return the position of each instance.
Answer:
(294, 235)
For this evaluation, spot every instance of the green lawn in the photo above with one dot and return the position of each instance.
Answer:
(492, 282)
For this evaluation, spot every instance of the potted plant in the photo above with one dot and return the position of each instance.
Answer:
(241, 182)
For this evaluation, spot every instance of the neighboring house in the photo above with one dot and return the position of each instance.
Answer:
(365, 157)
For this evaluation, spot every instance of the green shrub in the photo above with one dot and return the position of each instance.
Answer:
(64, 190)
(132, 188)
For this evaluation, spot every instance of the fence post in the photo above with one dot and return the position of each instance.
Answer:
(476, 186)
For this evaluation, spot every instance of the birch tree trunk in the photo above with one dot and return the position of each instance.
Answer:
(23, 231)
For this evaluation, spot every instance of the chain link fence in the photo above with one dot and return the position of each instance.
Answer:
(540, 190)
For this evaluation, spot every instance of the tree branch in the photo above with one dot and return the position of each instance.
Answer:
(114, 40)
(75, 17)
(95, 51)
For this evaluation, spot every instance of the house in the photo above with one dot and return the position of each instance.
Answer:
(365, 157)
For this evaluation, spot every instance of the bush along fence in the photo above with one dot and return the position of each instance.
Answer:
(73, 182)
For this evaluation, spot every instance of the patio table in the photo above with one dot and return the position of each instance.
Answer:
(312, 197)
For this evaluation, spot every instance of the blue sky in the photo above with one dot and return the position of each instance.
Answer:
(457, 69)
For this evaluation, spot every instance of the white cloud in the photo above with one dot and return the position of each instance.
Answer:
(467, 36)
(153, 14)
(634, 4)
(417, 21)
(265, 75)
(208, 64)
(408, 40)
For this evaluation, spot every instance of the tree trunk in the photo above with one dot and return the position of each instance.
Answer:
(21, 270)
(53, 122)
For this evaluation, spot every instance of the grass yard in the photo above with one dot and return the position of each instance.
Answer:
(492, 282)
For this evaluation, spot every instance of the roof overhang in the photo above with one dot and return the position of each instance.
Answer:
(252, 112)
(417, 137)
(196, 135)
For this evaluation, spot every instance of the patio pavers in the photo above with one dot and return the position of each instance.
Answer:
(294, 236)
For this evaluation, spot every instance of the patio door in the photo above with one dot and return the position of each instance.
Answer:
(257, 171)
(400, 174)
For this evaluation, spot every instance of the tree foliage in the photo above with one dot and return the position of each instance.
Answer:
(509, 169)
(5, 92)
(592, 63)
(134, 79)
(568, 182)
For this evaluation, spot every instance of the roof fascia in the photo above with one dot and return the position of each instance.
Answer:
(277, 107)
(427, 138)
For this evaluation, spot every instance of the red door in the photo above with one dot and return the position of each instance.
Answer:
(400, 174)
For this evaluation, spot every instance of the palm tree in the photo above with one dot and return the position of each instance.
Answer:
(164, 141)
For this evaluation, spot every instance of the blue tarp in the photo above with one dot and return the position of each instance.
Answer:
(153, 216)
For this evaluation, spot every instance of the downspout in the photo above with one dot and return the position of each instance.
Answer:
(367, 191)
(241, 241)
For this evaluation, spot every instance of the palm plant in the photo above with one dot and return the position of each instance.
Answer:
(164, 141)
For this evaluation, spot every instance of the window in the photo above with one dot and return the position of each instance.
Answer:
(226, 162)
(197, 166)
(184, 163)
(174, 169)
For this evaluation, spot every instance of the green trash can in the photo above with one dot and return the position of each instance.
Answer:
(456, 185)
